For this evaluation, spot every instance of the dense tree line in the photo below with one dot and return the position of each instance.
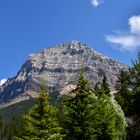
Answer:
(84, 115)
(88, 116)
(128, 89)
(128, 95)
(10, 128)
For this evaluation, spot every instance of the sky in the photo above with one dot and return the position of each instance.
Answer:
(111, 27)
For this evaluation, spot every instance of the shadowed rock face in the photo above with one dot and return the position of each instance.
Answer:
(59, 67)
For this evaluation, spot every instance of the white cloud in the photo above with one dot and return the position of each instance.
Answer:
(96, 2)
(124, 42)
(2, 81)
(127, 41)
(134, 23)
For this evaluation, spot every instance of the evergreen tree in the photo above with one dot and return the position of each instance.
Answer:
(123, 95)
(41, 122)
(135, 81)
(105, 85)
(109, 120)
(91, 117)
(77, 109)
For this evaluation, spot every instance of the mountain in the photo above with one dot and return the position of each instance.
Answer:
(59, 67)
(16, 110)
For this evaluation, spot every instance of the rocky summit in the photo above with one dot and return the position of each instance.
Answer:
(59, 67)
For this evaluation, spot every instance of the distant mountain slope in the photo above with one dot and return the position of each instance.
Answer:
(59, 67)
(16, 110)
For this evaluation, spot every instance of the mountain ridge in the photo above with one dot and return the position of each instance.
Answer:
(59, 66)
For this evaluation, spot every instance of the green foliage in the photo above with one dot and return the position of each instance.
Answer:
(91, 117)
(124, 95)
(77, 111)
(109, 120)
(86, 114)
(135, 82)
(16, 110)
(41, 122)
(105, 85)
(102, 88)
(10, 128)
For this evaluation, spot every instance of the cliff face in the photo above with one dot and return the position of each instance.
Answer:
(59, 67)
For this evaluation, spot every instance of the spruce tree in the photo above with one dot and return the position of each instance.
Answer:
(41, 122)
(123, 95)
(77, 111)
(109, 121)
(135, 82)
(105, 86)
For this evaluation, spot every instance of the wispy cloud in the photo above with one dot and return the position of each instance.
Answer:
(129, 40)
(96, 2)
(2, 81)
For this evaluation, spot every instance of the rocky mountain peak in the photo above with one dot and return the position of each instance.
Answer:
(59, 67)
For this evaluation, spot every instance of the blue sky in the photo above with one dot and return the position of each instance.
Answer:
(111, 27)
